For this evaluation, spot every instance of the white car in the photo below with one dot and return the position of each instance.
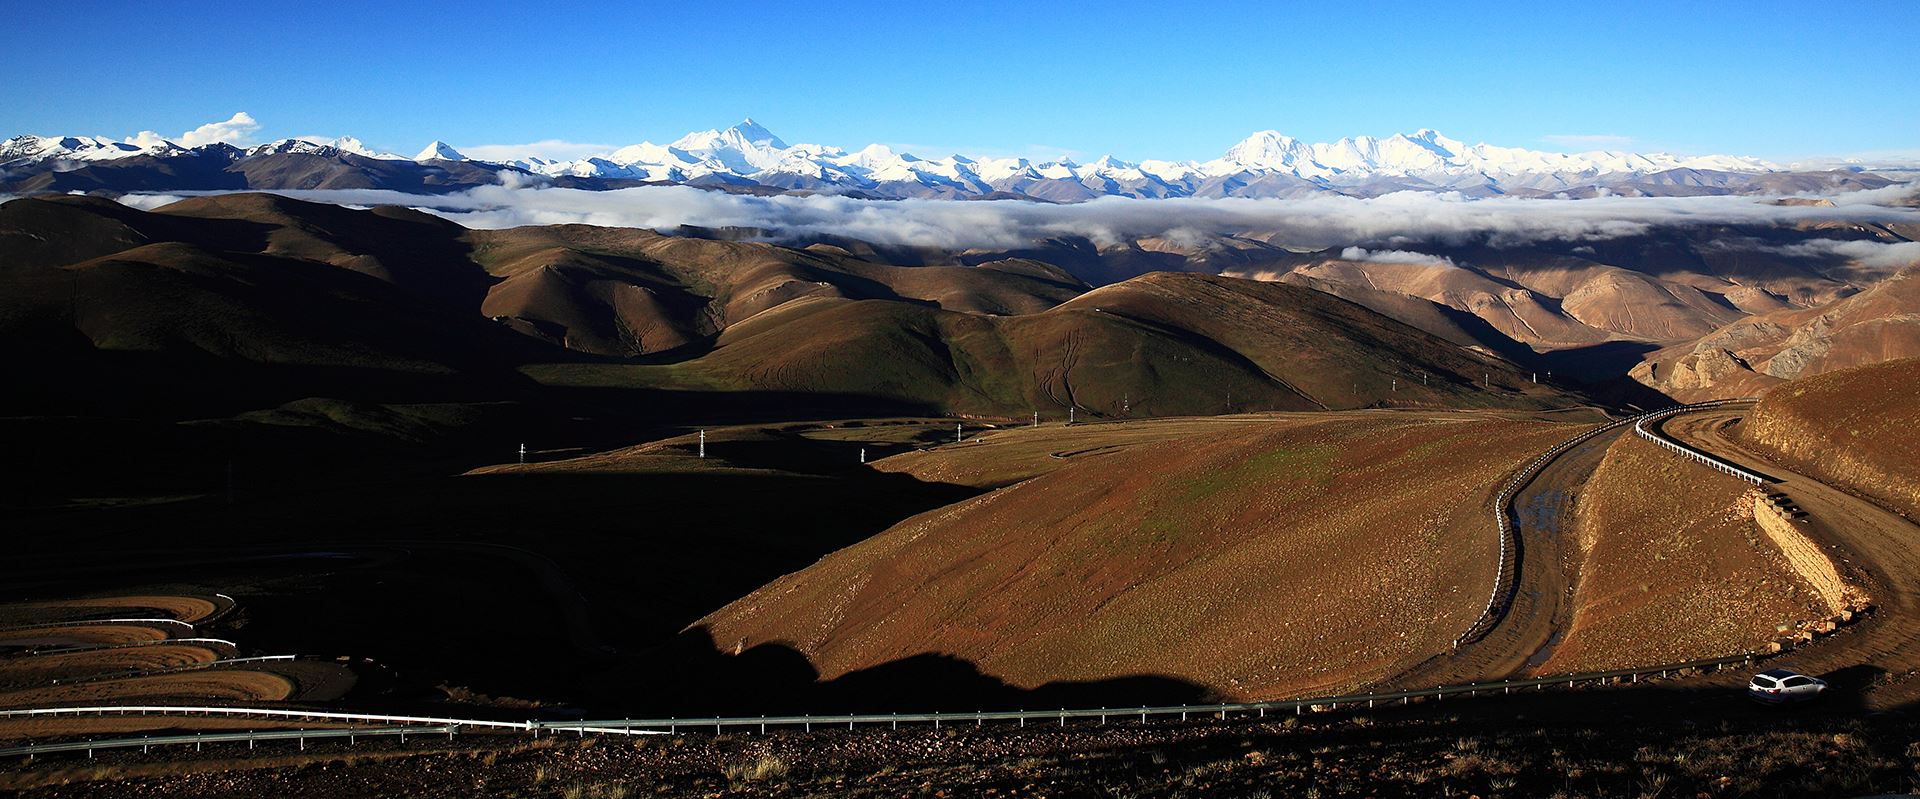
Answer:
(1783, 685)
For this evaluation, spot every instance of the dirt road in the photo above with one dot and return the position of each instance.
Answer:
(1876, 659)
(1542, 609)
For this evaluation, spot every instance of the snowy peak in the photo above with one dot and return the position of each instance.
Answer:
(748, 135)
(1269, 148)
(73, 148)
(752, 132)
(439, 151)
(314, 145)
(1424, 159)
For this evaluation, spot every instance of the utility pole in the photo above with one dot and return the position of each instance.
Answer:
(703, 443)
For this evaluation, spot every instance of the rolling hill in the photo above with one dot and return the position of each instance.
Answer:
(311, 292)
(1161, 344)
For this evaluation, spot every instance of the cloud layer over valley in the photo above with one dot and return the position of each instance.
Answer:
(1394, 221)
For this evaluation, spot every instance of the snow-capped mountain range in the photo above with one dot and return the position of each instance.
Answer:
(749, 157)
(751, 152)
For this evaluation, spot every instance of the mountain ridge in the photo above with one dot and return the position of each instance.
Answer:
(748, 156)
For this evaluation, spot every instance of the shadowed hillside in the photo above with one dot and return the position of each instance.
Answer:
(1162, 344)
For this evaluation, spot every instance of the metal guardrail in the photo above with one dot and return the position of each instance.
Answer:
(82, 622)
(198, 739)
(1640, 428)
(1504, 576)
(670, 726)
(155, 642)
(248, 712)
(1259, 709)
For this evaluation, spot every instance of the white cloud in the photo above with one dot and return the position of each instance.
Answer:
(1401, 221)
(237, 129)
(1393, 257)
(550, 149)
(1872, 254)
(1593, 140)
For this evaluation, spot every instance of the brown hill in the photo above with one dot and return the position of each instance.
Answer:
(1851, 427)
(1268, 559)
(1746, 357)
(620, 291)
(1003, 337)
(1162, 344)
(416, 251)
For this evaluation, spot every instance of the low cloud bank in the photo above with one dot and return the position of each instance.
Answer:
(1865, 253)
(1391, 222)
(1393, 257)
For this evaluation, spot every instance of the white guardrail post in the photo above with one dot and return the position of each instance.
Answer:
(1640, 428)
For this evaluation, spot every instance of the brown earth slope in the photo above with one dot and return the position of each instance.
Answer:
(617, 291)
(1852, 428)
(1672, 567)
(1258, 562)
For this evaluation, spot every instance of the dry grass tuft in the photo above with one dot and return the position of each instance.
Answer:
(759, 769)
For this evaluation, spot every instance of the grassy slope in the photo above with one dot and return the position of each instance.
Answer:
(1852, 427)
(1259, 561)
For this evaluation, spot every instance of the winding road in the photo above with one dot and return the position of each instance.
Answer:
(1542, 608)
(1878, 657)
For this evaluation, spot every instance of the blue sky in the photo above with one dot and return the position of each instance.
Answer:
(1138, 80)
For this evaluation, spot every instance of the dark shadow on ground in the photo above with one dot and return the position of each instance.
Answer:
(692, 676)
(1595, 363)
(442, 579)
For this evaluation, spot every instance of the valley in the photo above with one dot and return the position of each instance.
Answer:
(577, 471)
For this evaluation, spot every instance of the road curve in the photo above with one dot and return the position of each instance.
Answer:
(1877, 658)
(1546, 558)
